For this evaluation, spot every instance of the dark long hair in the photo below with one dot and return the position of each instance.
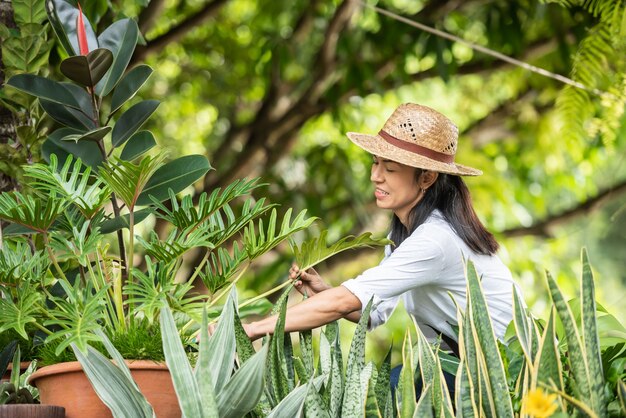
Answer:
(450, 195)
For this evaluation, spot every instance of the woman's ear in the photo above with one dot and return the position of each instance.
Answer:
(427, 179)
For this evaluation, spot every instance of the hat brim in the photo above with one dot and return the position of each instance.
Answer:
(379, 147)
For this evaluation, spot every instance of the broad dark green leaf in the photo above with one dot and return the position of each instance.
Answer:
(87, 151)
(15, 229)
(95, 135)
(131, 120)
(129, 85)
(120, 38)
(87, 69)
(42, 87)
(175, 175)
(123, 221)
(62, 16)
(138, 144)
(67, 116)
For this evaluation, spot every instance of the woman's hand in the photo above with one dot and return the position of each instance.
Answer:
(307, 282)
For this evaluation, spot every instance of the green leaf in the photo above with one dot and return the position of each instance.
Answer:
(113, 386)
(62, 16)
(405, 393)
(245, 387)
(131, 120)
(314, 404)
(129, 85)
(137, 145)
(36, 213)
(88, 69)
(67, 116)
(95, 135)
(175, 175)
(277, 367)
(424, 407)
(185, 384)
(590, 339)
(45, 88)
(293, 402)
(28, 11)
(525, 327)
(123, 221)
(314, 251)
(19, 313)
(88, 152)
(222, 345)
(120, 38)
(486, 340)
(202, 371)
(547, 367)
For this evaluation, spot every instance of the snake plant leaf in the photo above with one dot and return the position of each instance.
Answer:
(525, 327)
(138, 144)
(117, 357)
(383, 385)
(590, 338)
(62, 16)
(44, 88)
(185, 384)
(547, 368)
(222, 345)
(465, 404)
(405, 392)
(120, 38)
(576, 351)
(131, 120)
(486, 341)
(277, 367)
(176, 175)
(88, 69)
(315, 250)
(293, 402)
(369, 376)
(245, 387)
(113, 386)
(336, 378)
(202, 371)
(129, 85)
(621, 394)
(424, 407)
(245, 349)
(313, 403)
(306, 350)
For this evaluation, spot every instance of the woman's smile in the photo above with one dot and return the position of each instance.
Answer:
(380, 193)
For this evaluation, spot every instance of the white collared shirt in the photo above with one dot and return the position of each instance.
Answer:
(425, 270)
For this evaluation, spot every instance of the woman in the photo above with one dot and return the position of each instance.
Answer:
(434, 228)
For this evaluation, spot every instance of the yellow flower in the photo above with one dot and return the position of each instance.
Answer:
(539, 404)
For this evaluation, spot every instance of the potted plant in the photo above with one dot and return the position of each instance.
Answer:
(71, 262)
(17, 398)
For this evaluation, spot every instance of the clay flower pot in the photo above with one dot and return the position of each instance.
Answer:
(31, 411)
(23, 366)
(66, 384)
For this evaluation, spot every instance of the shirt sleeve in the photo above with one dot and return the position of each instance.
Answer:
(382, 312)
(418, 261)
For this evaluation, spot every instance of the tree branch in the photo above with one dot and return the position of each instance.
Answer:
(544, 227)
(178, 31)
(149, 15)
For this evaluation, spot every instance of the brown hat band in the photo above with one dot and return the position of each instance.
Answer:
(417, 149)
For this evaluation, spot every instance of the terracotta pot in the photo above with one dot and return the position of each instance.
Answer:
(66, 385)
(31, 411)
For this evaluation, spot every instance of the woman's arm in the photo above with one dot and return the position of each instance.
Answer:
(318, 310)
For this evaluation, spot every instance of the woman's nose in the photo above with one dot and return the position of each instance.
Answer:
(375, 176)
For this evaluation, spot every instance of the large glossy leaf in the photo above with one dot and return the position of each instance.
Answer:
(67, 116)
(132, 120)
(45, 88)
(88, 69)
(120, 38)
(129, 85)
(63, 16)
(95, 135)
(87, 151)
(244, 389)
(123, 221)
(113, 386)
(175, 175)
(185, 384)
(137, 145)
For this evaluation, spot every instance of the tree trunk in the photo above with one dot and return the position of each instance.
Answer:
(7, 125)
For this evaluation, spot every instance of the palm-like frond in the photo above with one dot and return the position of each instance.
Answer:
(266, 239)
(226, 224)
(18, 263)
(79, 316)
(37, 213)
(176, 244)
(185, 214)
(79, 245)
(148, 293)
(127, 180)
(71, 182)
(19, 312)
(315, 250)
(221, 267)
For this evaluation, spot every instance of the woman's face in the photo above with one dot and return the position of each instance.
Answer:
(396, 187)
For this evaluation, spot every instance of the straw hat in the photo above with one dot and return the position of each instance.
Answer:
(417, 136)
